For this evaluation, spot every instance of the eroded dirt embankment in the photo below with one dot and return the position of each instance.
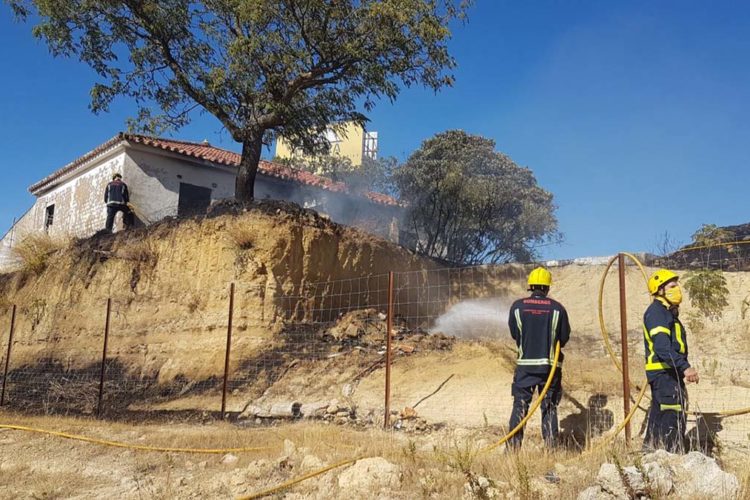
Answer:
(169, 290)
(295, 274)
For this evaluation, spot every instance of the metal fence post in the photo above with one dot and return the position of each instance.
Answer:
(7, 356)
(624, 343)
(226, 357)
(389, 335)
(104, 357)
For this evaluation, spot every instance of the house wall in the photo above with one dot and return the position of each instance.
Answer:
(348, 143)
(154, 183)
(79, 206)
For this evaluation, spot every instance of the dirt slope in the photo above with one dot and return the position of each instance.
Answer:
(294, 272)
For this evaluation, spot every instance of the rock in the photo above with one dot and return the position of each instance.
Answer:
(289, 448)
(660, 456)
(543, 488)
(347, 390)
(658, 479)
(229, 459)
(665, 475)
(310, 462)
(408, 412)
(594, 493)
(257, 468)
(251, 411)
(480, 487)
(612, 482)
(352, 331)
(314, 410)
(369, 475)
(238, 478)
(284, 409)
(127, 482)
(333, 407)
(701, 476)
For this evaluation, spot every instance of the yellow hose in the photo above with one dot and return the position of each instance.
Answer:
(486, 449)
(292, 482)
(533, 407)
(118, 444)
(605, 334)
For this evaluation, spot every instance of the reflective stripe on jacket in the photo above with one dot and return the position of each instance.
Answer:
(536, 324)
(116, 193)
(665, 341)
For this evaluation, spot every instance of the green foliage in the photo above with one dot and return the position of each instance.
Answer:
(707, 290)
(471, 204)
(277, 67)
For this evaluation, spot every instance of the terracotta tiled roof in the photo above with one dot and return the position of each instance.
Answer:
(212, 154)
(76, 163)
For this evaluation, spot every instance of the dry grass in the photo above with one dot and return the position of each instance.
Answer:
(432, 466)
(35, 249)
(243, 235)
(140, 250)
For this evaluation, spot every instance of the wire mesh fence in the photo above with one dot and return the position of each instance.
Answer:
(267, 350)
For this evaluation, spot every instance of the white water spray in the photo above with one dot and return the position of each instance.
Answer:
(475, 319)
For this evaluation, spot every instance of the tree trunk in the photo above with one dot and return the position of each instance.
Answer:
(244, 186)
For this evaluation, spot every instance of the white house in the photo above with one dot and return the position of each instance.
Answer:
(168, 177)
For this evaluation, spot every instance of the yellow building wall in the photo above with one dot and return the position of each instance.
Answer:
(348, 143)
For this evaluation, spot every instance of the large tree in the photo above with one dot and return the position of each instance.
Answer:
(262, 67)
(470, 204)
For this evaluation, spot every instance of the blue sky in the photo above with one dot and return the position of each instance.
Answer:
(635, 115)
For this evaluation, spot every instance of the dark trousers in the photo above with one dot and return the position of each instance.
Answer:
(112, 211)
(523, 388)
(666, 417)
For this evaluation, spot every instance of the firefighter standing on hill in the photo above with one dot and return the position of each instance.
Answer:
(117, 197)
(537, 323)
(667, 366)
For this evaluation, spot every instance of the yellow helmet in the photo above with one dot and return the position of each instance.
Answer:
(540, 276)
(659, 278)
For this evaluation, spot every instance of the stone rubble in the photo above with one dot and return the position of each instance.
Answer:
(664, 475)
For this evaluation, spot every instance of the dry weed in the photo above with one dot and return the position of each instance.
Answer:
(34, 250)
(242, 235)
(143, 251)
(426, 471)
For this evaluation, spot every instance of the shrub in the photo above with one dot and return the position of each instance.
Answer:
(35, 249)
(243, 235)
(708, 292)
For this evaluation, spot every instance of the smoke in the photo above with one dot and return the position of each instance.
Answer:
(475, 319)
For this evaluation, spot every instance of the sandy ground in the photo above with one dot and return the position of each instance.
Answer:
(431, 465)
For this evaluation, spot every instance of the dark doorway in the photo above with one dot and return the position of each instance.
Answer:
(193, 200)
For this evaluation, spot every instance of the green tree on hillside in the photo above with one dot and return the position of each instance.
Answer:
(471, 204)
(262, 68)
(707, 288)
(708, 292)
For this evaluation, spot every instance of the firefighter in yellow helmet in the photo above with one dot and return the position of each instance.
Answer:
(667, 366)
(536, 323)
